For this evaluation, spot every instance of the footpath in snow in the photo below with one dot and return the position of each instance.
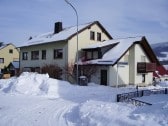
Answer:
(35, 99)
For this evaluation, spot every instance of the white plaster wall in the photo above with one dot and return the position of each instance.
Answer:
(138, 77)
(83, 41)
(122, 71)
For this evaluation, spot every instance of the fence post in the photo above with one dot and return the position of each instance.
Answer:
(165, 90)
(118, 98)
(142, 93)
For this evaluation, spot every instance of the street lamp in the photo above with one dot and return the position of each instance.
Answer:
(77, 58)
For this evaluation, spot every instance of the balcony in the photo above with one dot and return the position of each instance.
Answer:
(143, 67)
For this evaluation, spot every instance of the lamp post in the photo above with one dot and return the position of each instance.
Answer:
(77, 58)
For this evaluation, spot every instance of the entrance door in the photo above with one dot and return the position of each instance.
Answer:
(103, 77)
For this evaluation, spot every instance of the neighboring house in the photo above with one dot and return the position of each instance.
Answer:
(8, 54)
(121, 62)
(60, 46)
(14, 68)
(161, 74)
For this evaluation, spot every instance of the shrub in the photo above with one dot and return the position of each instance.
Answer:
(53, 70)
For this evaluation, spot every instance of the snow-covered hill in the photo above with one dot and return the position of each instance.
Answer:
(37, 100)
(161, 50)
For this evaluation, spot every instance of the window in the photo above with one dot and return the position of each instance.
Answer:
(89, 55)
(58, 53)
(143, 78)
(1, 60)
(25, 56)
(92, 35)
(98, 36)
(11, 51)
(43, 54)
(95, 54)
(34, 55)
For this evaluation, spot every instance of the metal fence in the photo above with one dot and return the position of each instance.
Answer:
(128, 97)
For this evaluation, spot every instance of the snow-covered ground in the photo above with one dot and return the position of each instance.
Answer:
(37, 100)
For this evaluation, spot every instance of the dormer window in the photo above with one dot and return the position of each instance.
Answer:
(92, 35)
(91, 55)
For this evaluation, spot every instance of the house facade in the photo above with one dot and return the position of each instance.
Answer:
(60, 47)
(107, 61)
(122, 62)
(8, 54)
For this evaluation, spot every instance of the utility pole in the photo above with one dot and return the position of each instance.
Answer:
(77, 56)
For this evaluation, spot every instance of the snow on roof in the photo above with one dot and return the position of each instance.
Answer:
(15, 64)
(114, 53)
(51, 37)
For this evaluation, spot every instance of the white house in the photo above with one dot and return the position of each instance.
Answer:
(121, 61)
(118, 61)
(60, 46)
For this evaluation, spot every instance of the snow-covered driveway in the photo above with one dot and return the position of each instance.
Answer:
(23, 110)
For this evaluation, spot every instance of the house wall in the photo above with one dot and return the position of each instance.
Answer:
(96, 78)
(120, 71)
(127, 73)
(83, 41)
(8, 57)
(138, 76)
(49, 55)
(69, 49)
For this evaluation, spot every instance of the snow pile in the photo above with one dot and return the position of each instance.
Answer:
(69, 105)
(33, 84)
(163, 84)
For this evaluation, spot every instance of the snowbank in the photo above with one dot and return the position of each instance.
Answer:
(163, 84)
(69, 105)
(33, 84)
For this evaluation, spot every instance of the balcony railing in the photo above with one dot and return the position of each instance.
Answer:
(143, 67)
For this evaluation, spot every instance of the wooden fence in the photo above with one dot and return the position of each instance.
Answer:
(128, 97)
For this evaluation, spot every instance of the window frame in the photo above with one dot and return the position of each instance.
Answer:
(2, 59)
(43, 54)
(92, 55)
(58, 54)
(92, 35)
(35, 55)
(98, 36)
(11, 51)
(24, 55)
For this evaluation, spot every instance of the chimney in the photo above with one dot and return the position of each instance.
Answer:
(58, 27)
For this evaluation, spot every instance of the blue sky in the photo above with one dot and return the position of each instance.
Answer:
(20, 19)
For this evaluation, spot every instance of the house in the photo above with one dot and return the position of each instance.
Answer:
(14, 68)
(8, 54)
(60, 46)
(121, 62)
(161, 74)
